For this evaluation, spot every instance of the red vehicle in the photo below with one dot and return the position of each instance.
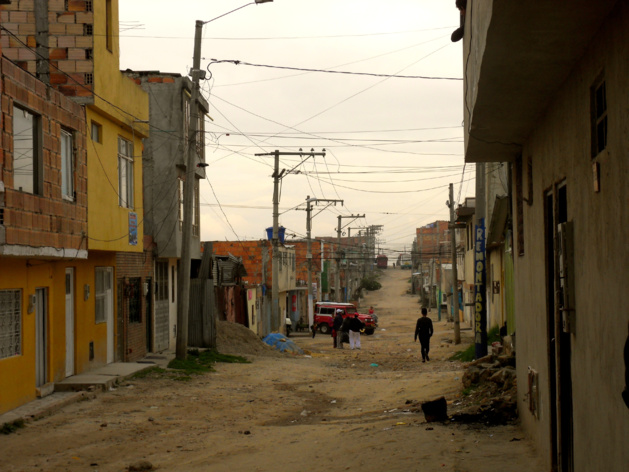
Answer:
(325, 311)
(382, 261)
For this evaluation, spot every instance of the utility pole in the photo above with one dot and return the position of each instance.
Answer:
(183, 299)
(183, 296)
(309, 202)
(337, 280)
(275, 269)
(455, 277)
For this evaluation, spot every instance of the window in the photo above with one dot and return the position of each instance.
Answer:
(108, 26)
(195, 209)
(134, 298)
(26, 156)
(125, 173)
(97, 132)
(10, 323)
(67, 165)
(172, 278)
(103, 286)
(519, 198)
(180, 204)
(161, 280)
(598, 103)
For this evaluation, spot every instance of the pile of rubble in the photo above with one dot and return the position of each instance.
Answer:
(489, 392)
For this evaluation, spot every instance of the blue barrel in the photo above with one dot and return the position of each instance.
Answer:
(280, 233)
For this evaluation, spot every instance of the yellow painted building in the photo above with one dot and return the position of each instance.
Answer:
(58, 248)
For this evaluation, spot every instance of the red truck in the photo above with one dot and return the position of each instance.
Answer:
(325, 311)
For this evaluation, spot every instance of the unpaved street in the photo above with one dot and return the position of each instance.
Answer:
(333, 411)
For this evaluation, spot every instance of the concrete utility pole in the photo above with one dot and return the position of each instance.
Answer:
(337, 280)
(183, 299)
(455, 276)
(275, 269)
(480, 276)
(309, 202)
(183, 296)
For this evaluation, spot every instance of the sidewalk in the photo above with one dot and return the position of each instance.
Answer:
(85, 385)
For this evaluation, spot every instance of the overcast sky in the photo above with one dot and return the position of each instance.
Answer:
(392, 144)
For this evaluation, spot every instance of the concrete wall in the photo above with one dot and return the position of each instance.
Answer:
(560, 150)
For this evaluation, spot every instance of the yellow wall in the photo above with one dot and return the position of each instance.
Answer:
(120, 105)
(107, 221)
(17, 373)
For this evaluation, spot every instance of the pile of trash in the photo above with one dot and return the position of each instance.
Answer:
(282, 343)
(489, 392)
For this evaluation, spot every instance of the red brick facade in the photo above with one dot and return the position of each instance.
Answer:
(70, 42)
(132, 338)
(44, 219)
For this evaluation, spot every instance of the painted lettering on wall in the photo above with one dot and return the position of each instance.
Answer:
(480, 302)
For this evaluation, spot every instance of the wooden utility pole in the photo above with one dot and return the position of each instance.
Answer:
(455, 276)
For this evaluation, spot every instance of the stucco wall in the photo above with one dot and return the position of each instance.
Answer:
(560, 149)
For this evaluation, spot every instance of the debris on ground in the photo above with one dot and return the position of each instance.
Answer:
(489, 393)
(282, 343)
(236, 339)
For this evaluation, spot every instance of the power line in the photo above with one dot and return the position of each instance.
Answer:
(329, 71)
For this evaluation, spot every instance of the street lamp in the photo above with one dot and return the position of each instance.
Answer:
(183, 302)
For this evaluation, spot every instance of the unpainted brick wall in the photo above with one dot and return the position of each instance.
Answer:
(46, 219)
(131, 265)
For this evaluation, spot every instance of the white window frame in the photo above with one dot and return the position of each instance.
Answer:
(125, 173)
(26, 155)
(102, 283)
(67, 165)
(10, 323)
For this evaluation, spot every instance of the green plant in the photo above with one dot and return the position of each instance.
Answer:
(469, 354)
(199, 362)
(151, 372)
(12, 427)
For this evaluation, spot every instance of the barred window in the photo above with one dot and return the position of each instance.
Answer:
(10, 323)
(161, 280)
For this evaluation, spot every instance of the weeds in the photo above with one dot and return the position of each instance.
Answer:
(12, 427)
(469, 354)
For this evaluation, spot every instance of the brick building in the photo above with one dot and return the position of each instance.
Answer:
(73, 47)
(43, 247)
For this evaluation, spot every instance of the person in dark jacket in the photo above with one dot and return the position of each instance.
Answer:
(423, 331)
(355, 325)
(336, 326)
(344, 330)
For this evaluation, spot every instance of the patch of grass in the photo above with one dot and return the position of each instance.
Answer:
(152, 372)
(469, 354)
(468, 390)
(466, 355)
(12, 427)
(199, 362)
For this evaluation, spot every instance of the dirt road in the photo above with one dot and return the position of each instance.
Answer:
(334, 411)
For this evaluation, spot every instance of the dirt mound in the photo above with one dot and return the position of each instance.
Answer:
(238, 340)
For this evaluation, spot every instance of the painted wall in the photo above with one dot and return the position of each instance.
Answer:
(17, 373)
(560, 149)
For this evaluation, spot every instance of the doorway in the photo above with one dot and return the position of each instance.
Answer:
(69, 321)
(559, 341)
(41, 337)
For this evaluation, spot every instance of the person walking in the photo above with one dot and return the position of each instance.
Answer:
(344, 331)
(423, 331)
(336, 326)
(355, 325)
